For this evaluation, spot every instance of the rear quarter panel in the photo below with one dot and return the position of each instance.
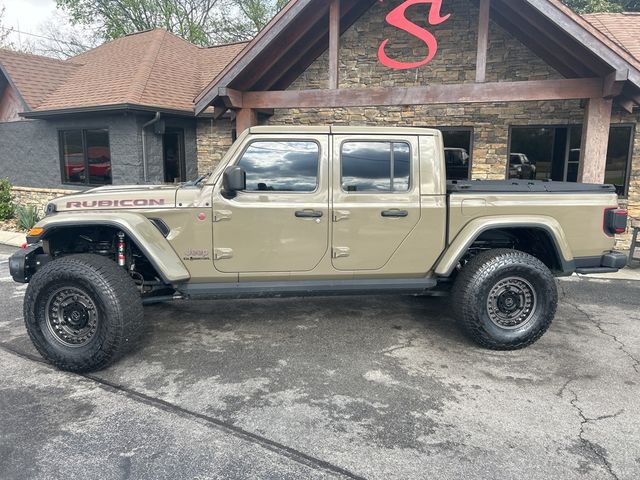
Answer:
(580, 215)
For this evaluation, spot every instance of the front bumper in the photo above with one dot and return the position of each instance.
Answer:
(610, 262)
(24, 263)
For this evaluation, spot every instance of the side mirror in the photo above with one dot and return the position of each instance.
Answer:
(234, 180)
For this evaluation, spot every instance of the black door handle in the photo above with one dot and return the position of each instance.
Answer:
(309, 214)
(395, 214)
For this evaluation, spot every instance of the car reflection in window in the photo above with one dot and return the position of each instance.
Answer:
(281, 166)
(375, 167)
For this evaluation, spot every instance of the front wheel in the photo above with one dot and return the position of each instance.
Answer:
(82, 312)
(505, 299)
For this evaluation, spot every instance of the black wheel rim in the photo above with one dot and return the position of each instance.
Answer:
(512, 303)
(72, 316)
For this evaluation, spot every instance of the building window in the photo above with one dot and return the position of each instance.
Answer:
(85, 157)
(458, 152)
(290, 166)
(619, 157)
(553, 153)
(376, 167)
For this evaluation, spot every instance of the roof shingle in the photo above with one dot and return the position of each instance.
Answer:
(622, 28)
(152, 69)
(34, 77)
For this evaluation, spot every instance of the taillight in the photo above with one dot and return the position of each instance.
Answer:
(615, 221)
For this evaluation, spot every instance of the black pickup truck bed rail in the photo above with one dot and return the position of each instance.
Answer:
(524, 186)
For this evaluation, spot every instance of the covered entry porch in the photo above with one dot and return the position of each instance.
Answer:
(597, 75)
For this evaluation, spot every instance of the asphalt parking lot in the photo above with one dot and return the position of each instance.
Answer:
(365, 387)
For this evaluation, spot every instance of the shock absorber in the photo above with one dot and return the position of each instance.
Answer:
(122, 248)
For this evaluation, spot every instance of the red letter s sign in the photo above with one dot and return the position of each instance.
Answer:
(398, 19)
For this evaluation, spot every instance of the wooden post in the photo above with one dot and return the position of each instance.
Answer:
(245, 119)
(595, 140)
(334, 44)
(483, 41)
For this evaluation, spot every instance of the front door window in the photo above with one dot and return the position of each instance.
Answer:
(281, 166)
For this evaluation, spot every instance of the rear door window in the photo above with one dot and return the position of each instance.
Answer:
(369, 166)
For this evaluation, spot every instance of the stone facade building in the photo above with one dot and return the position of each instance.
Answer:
(540, 129)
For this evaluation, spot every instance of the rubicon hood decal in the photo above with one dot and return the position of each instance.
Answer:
(124, 203)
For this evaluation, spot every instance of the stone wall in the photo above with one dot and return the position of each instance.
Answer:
(37, 197)
(213, 140)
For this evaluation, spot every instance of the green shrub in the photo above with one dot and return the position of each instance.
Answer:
(6, 201)
(27, 217)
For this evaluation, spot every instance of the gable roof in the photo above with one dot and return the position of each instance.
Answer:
(154, 69)
(34, 77)
(622, 28)
(300, 32)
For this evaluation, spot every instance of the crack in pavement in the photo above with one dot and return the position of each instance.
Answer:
(595, 448)
(271, 445)
(406, 344)
(621, 346)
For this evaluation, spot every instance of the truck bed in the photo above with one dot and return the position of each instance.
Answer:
(524, 186)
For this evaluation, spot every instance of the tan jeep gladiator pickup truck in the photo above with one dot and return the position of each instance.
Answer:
(294, 211)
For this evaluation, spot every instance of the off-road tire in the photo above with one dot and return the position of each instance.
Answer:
(117, 303)
(481, 276)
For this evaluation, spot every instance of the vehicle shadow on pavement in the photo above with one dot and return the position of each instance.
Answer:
(388, 387)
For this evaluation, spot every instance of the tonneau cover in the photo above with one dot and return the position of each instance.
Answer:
(528, 186)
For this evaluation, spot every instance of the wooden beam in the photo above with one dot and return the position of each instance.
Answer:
(218, 112)
(627, 104)
(614, 83)
(230, 97)
(334, 44)
(595, 140)
(352, 10)
(257, 73)
(586, 37)
(483, 41)
(567, 65)
(257, 46)
(557, 38)
(245, 119)
(569, 89)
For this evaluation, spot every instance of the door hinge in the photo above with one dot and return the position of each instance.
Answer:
(339, 215)
(220, 215)
(222, 253)
(341, 252)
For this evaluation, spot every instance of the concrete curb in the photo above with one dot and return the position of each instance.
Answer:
(12, 239)
(624, 274)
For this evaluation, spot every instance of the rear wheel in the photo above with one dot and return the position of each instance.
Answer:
(82, 312)
(505, 299)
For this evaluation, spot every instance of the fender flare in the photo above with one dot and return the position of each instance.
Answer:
(147, 237)
(476, 227)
